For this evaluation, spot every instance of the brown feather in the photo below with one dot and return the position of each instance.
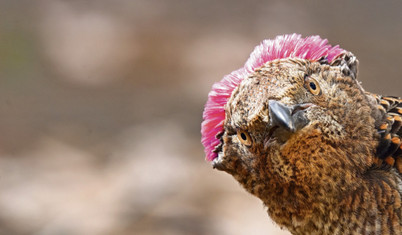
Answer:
(390, 131)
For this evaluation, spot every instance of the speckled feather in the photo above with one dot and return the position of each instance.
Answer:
(389, 150)
(338, 174)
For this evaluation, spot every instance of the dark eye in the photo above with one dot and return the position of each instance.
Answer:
(244, 137)
(312, 85)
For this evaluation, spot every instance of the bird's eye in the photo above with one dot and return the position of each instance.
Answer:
(244, 137)
(312, 85)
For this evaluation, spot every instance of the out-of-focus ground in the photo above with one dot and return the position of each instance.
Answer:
(101, 104)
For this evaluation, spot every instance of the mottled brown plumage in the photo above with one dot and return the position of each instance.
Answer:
(338, 169)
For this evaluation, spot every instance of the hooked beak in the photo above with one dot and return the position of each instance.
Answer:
(291, 118)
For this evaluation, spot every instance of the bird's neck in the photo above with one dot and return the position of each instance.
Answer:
(374, 204)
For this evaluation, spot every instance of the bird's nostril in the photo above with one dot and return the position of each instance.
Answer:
(300, 107)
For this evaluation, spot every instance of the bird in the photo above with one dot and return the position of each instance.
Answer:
(296, 129)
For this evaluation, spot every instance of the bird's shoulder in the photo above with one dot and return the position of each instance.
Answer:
(388, 125)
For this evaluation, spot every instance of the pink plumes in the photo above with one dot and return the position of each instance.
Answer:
(285, 46)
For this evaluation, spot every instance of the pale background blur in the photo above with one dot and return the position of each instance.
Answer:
(101, 104)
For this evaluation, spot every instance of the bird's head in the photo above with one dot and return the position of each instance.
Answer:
(292, 117)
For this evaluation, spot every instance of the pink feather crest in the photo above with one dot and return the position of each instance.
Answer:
(285, 46)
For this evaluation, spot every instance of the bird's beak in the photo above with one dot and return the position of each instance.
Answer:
(291, 118)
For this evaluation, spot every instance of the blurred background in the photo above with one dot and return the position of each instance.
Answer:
(101, 105)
